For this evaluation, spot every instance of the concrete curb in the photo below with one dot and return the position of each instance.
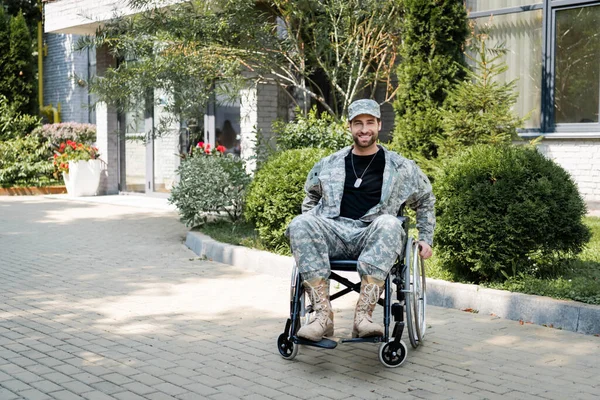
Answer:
(561, 314)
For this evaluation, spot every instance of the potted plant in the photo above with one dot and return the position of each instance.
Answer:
(80, 167)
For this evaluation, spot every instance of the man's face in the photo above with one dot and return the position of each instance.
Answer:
(365, 130)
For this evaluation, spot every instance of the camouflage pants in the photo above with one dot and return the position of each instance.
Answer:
(315, 240)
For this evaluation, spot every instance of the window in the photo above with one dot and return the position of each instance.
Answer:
(577, 65)
(554, 53)
(487, 5)
(521, 34)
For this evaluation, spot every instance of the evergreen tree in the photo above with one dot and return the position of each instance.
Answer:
(431, 61)
(4, 55)
(478, 110)
(20, 70)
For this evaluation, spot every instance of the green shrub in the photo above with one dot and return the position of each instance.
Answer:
(210, 183)
(433, 35)
(505, 210)
(13, 124)
(312, 130)
(56, 133)
(275, 196)
(25, 161)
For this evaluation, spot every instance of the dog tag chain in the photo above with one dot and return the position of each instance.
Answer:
(359, 180)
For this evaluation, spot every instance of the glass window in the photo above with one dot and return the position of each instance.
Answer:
(227, 124)
(487, 5)
(521, 34)
(577, 65)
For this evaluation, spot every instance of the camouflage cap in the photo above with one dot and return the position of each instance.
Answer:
(364, 106)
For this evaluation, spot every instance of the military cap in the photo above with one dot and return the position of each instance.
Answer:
(364, 106)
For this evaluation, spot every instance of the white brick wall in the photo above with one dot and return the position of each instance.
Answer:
(581, 158)
(260, 105)
(63, 67)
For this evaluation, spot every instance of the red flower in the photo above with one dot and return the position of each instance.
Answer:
(200, 144)
(221, 149)
(207, 147)
(62, 147)
(55, 155)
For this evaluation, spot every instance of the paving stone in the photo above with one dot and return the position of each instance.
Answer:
(34, 394)
(134, 314)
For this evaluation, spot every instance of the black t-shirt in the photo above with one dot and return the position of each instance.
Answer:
(357, 201)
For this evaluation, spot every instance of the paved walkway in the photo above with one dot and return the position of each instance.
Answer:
(100, 301)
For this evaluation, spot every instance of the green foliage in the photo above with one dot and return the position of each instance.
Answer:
(25, 161)
(324, 51)
(20, 70)
(432, 60)
(275, 196)
(209, 183)
(13, 124)
(478, 110)
(61, 132)
(312, 130)
(352, 43)
(4, 54)
(505, 210)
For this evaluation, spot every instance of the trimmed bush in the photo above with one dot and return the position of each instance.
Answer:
(209, 183)
(25, 161)
(312, 130)
(56, 133)
(275, 196)
(506, 210)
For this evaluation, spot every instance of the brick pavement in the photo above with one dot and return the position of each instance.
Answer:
(105, 302)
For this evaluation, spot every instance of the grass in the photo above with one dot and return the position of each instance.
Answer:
(582, 283)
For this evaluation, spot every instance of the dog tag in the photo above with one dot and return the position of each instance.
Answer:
(357, 182)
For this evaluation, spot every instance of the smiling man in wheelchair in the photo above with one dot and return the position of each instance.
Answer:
(350, 211)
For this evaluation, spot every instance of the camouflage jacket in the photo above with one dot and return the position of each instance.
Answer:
(403, 182)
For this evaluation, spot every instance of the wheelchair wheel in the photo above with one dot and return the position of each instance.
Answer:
(419, 294)
(414, 299)
(392, 354)
(286, 347)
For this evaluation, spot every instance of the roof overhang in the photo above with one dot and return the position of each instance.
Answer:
(83, 17)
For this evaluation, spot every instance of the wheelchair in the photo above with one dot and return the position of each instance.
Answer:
(408, 277)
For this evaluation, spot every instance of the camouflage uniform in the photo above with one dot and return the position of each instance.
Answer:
(376, 238)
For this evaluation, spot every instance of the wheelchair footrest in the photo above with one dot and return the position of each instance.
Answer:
(372, 339)
(323, 343)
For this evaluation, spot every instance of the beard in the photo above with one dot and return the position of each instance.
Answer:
(371, 141)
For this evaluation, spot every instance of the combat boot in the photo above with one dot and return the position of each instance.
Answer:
(322, 322)
(370, 290)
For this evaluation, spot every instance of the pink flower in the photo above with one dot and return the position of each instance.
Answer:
(221, 149)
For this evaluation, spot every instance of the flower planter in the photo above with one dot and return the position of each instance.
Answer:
(83, 177)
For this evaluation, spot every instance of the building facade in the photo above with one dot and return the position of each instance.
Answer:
(136, 159)
(553, 56)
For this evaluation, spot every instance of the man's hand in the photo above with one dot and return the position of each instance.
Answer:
(426, 251)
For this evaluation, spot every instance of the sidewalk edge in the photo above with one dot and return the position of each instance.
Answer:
(540, 310)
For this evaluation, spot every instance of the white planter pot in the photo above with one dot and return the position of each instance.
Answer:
(83, 177)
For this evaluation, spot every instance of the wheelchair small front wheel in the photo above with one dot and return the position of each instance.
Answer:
(286, 347)
(392, 354)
